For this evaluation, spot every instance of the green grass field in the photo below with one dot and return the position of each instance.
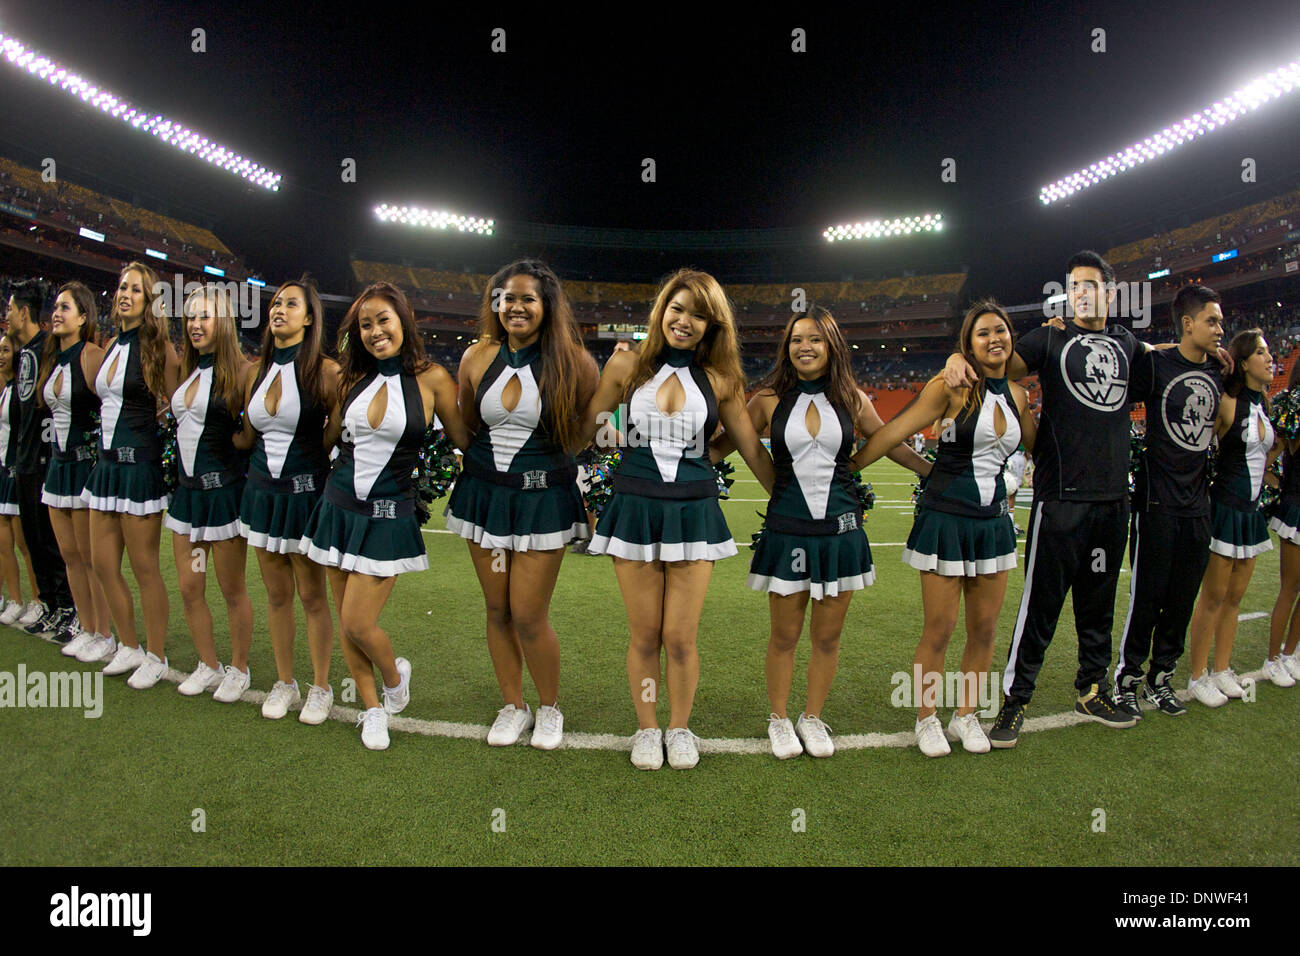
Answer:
(1214, 788)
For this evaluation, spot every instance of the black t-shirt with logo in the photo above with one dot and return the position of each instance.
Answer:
(33, 450)
(1182, 400)
(1082, 449)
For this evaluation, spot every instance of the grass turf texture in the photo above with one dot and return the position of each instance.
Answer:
(1174, 790)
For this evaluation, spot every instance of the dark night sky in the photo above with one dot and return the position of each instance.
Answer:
(745, 134)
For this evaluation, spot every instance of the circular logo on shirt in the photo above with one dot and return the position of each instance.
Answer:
(26, 375)
(1095, 370)
(1188, 407)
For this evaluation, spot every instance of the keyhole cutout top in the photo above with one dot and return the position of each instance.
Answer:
(671, 397)
(112, 369)
(192, 392)
(511, 393)
(1259, 424)
(812, 420)
(378, 406)
(273, 393)
(58, 382)
(999, 421)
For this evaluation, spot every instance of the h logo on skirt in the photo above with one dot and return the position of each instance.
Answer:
(302, 483)
(848, 522)
(534, 479)
(384, 508)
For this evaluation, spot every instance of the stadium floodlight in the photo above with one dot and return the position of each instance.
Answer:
(883, 228)
(1247, 99)
(434, 219)
(166, 130)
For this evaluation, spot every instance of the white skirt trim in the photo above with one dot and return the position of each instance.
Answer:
(199, 533)
(260, 539)
(662, 551)
(8, 509)
(517, 542)
(125, 505)
(817, 589)
(1284, 530)
(333, 558)
(66, 502)
(1240, 552)
(959, 569)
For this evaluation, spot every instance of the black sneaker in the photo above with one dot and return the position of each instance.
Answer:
(1006, 729)
(1125, 699)
(43, 626)
(1163, 696)
(1098, 705)
(68, 628)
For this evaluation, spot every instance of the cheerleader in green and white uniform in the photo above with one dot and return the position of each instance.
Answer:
(71, 360)
(11, 528)
(1239, 530)
(365, 529)
(523, 385)
(813, 545)
(125, 490)
(290, 393)
(1283, 663)
(204, 512)
(663, 526)
(963, 540)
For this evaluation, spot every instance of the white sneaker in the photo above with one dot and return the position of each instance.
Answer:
(282, 696)
(1276, 671)
(648, 749)
(549, 729)
(148, 673)
(682, 752)
(784, 742)
(396, 698)
(203, 678)
(12, 612)
(968, 730)
(1292, 664)
(317, 708)
(31, 614)
(929, 737)
(1228, 683)
(126, 659)
(815, 735)
(374, 728)
(233, 685)
(74, 646)
(102, 647)
(1204, 689)
(510, 724)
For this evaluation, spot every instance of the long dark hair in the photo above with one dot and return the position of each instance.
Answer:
(84, 300)
(1242, 347)
(720, 347)
(307, 363)
(841, 390)
(355, 360)
(563, 367)
(965, 343)
(154, 337)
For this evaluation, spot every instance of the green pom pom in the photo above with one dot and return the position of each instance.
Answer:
(436, 471)
(170, 452)
(600, 477)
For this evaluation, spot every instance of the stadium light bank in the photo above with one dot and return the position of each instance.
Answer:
(884, 228)
(434, 219)
(1249, 98)
(167, 130)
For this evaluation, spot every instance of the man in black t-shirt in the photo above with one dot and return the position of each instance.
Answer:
(1078, 522)
(1169, 544)
(58, 621)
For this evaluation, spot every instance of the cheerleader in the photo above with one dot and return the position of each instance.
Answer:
(204, 512)
(125, 489)
(1283, 665)
(365, 528)
(71, 359)
(523, 385)
(963, 540)
(663, 526)
(289, 395)
(11, 528)
(813, 544)
(1239, 530)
